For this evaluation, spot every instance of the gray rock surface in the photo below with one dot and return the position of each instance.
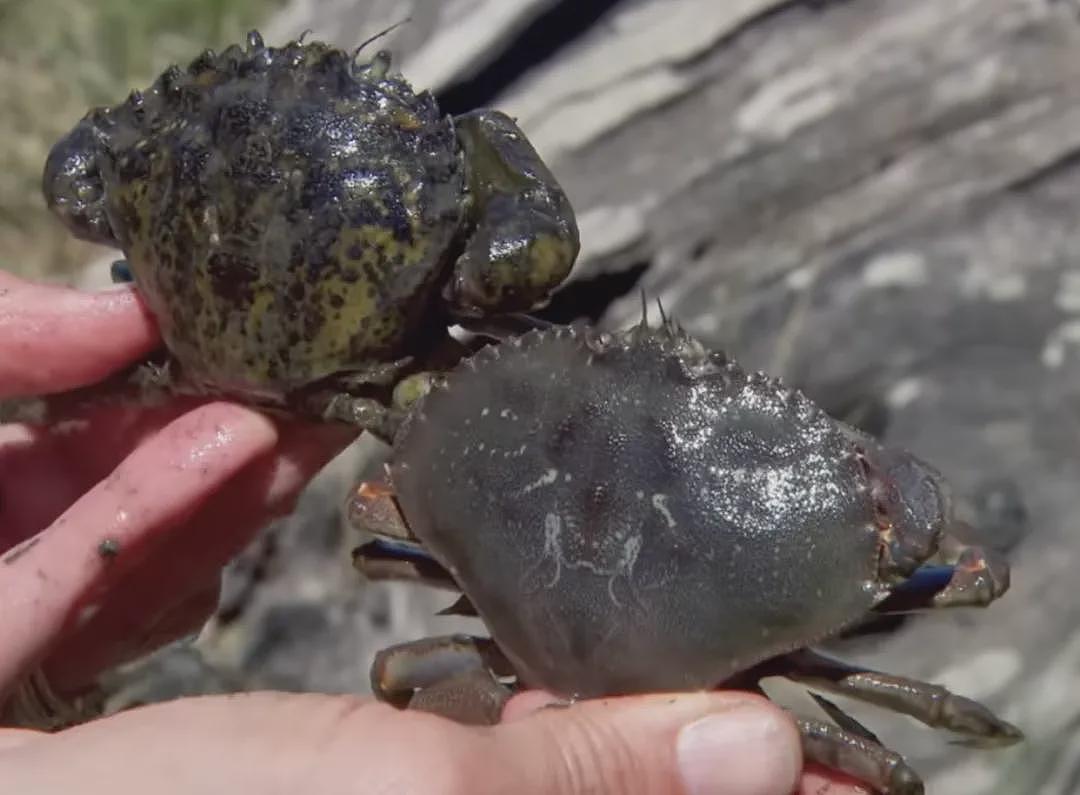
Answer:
(877, 200)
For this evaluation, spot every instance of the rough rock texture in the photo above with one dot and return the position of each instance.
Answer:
(878, 201)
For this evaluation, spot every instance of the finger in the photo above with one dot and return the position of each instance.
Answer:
(52, 580)
(721, 744)
(173, 588)
(815, 780)
(11, 738)
(724, 743)
(56, 338)
(257, 742)
(43, 470)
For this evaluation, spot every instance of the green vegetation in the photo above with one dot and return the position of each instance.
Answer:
(58, 58)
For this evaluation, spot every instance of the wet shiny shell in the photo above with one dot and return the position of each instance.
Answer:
(286, 212)
(634, 513)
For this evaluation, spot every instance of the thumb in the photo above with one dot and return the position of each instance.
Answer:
(693, 744)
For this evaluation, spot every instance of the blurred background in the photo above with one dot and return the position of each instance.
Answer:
(876, 200)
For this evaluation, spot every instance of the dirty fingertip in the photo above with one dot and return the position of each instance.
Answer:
(749, 749)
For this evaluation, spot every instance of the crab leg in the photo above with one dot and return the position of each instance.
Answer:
(845, 745)
(373, 509)
(859, 757)
(455, 676)
(395, 553)
(383, 559)
(930, 704)
(502, 327)
(363, 413)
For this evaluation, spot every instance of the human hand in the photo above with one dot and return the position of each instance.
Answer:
(696, 744)
(174, 492)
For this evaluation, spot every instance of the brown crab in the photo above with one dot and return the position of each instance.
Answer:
(631, 512)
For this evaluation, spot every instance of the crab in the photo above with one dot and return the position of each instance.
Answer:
(631, 512)
(304, 227)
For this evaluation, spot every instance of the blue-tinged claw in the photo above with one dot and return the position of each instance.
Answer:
(918, 591)
(395, 549)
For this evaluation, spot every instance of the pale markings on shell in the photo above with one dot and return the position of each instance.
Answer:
(659, 502)
(549, 477)
(613, 556)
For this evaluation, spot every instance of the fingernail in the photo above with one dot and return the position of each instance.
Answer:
(746, 750)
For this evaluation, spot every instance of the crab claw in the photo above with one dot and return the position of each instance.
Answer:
(976, 577)
(917, 592)
(73, 186)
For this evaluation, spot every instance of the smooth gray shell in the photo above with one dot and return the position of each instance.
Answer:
(633, 513)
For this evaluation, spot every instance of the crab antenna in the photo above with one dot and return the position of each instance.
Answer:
(380, 34)
(644, 308)
(660, 306)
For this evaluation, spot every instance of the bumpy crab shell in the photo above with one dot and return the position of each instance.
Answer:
(291, 214)
(284, 210)
(633, 512)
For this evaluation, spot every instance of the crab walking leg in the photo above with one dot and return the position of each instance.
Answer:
(504, 327)
(386, 559)
(395, 553)
(373, 509)
(931, 704)
(454, 676)
(859, 757)
(366, 414)
(843, 720)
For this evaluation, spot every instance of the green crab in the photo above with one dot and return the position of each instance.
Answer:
(632, 512)
(305, 227)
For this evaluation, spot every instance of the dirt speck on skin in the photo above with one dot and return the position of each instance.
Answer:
(108, 549)
(16, 552)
